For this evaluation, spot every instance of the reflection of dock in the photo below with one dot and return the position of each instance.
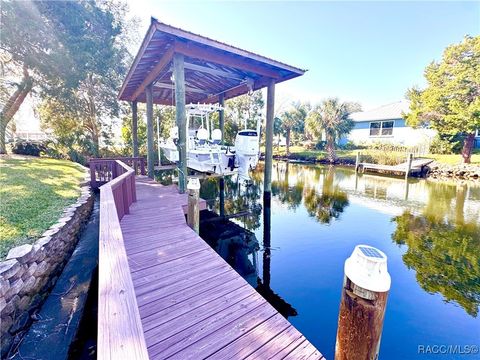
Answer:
(235, 245)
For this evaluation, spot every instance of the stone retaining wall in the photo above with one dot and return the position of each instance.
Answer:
(30, 271)
(445, 171)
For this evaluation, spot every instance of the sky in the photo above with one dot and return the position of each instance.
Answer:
(369, 52)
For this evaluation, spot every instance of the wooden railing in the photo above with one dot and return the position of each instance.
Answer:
(120, 332)
(102, 170)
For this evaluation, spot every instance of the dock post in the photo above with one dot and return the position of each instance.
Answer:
(181, 119)
(193, 214)
(221, 115)
(134, 129)
(357, 161)
(362, 306)
(267, 180)
(150, 149)
(222, 196)
(409, 165)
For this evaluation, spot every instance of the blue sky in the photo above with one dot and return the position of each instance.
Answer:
(369, 52)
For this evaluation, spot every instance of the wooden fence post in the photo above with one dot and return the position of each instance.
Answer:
(93, 177)
(362, 306)
(409, 165)
(193, 214)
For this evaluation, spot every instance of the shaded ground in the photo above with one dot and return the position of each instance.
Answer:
(33, 194)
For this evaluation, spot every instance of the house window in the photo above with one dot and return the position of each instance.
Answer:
(375, 128)
(387, 128)
(381, 128)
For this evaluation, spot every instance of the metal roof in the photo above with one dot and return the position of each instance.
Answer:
(385, 112)
(211, 68)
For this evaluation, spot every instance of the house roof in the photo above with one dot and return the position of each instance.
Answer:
(385, 112)
(212, 68)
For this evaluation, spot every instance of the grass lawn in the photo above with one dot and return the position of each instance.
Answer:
(302, 153)
(33, 195)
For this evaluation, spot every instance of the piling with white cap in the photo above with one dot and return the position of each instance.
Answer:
(362, 306)
(193, 214)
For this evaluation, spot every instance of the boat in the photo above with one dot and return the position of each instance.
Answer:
(205, 153)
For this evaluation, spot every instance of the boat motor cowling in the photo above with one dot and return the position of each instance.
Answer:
(216, 136)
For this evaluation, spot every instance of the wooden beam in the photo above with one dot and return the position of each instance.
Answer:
(150, 146)
(163, 62)
(187, 88)
(146, 41)
(215, 72)
(215, 56)
(267, 184)
(181, 119)
(134, 129)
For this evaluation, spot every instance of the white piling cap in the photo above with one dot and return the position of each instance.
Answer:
(193, 184)
(367, 268)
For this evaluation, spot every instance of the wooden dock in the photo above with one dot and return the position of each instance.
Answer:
(406, 168)
(186, 301)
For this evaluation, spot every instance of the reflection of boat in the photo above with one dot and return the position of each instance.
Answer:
(205, 153)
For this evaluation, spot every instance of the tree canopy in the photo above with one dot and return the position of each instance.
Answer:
(74, 53)
(293, 120)
(451, 101)
(331, 118)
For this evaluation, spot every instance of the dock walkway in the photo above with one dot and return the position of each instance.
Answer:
(417, 166)
(192, 304)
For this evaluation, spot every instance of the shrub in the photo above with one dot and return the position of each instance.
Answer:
(24, 147)
(387, 147)
(350, 146)
(57, 150)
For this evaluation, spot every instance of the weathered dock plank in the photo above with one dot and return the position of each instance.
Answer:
(191, 303)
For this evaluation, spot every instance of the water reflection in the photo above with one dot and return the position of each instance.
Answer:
(443, 247)
(436, 224)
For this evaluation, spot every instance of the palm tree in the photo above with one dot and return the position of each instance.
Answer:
(331, 117)
(293, 120)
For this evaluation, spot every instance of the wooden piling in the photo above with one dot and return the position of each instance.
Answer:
(150, 147)
(222, 197)
(181, 119)
(362, 305)
(134, 129)
(409, 165)
(267, 183)
(221, 114)
(193, 214)
(357, 161)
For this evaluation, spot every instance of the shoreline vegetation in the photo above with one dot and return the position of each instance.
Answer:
(448, 166)
(34, 192)
(347, 157)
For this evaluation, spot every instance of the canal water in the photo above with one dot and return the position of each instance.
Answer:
(430, 232)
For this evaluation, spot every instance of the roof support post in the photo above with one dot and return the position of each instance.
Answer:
(134, 128)
(150, 147)
(267, 184)
(181, 119)
(221, 114)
